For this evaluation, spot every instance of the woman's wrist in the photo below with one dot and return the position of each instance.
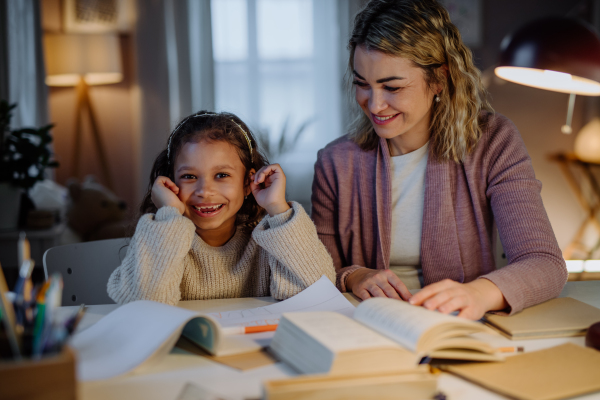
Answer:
(490, 294)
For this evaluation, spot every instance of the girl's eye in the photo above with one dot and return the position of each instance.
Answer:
(222, 175)
(187, 176)
(360, 84)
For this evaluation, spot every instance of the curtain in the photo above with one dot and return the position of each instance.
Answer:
(174, 70)
(22, 63)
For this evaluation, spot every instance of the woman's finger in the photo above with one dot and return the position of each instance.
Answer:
(363, 294)
(399, 286)
(389, 290)
(430, 291)
(455, 303)
(375, 291)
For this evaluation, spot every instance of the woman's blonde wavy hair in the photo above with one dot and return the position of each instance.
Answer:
(421, 31)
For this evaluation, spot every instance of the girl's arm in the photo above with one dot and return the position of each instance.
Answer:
(154, 264)
(296, 256)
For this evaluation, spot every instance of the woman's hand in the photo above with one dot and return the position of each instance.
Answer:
(268, 188)
(164, 193)
(472, 299)
(366, 283)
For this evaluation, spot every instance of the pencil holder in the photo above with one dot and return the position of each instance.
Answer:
(49, 378)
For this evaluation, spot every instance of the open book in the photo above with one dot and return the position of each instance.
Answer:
(385, 335)
(142, 331)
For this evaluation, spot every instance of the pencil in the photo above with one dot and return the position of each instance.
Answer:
(518, 349)
(240, 330)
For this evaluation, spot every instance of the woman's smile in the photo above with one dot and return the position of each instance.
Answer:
(383, 119)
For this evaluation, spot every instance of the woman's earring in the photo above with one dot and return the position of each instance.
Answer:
(437, 98)
(245, 197)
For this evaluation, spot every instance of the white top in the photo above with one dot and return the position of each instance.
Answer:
(408, 194)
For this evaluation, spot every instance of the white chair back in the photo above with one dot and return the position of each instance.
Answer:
(85, 269)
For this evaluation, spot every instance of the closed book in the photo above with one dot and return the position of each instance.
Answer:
(560, 317)
(556, 373)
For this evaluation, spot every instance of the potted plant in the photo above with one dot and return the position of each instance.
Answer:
(24, 157)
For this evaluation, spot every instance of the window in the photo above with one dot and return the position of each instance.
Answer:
(277, 68)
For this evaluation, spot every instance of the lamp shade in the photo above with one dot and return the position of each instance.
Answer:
(558, 54)
(96, 58)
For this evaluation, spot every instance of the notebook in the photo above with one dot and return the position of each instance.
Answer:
(554, 318)
(556, 373)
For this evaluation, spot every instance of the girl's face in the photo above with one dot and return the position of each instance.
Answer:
(395, 96)
(210, 177)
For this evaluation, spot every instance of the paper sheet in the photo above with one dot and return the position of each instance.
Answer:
(145, 330)
(320, 296)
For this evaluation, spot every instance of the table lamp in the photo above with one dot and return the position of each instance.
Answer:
(81, 61)
(558, 54)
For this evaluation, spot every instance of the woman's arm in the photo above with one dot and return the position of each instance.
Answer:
(154, 264)
(296, 257)
(363, 282)
(536, 271)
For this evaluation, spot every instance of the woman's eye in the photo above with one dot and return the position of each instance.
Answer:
(222, 175)
(391, 89)
(360, 84)
(188, 176)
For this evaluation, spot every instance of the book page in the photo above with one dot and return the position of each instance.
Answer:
(400, 321)
(127, 338)
(320, 296)
(337, 332)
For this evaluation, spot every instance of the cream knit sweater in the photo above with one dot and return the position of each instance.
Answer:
(167, 261)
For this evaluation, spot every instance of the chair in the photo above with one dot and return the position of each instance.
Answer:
(85, 269)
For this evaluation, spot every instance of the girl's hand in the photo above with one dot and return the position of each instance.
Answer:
(164, 193)
(366, 283)
(472, 299)
(271, 194)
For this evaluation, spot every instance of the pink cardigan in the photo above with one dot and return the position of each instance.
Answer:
(351, 197)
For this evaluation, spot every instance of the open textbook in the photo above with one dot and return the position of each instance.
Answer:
(141, 331)
(385, 335)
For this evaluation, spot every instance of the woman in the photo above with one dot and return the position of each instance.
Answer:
(411, 195)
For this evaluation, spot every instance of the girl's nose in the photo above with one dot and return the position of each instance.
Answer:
(377, 102)
(203, 188)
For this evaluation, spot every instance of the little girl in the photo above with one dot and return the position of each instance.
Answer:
(204, 233)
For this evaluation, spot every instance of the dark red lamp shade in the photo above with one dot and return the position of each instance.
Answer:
(558, 54)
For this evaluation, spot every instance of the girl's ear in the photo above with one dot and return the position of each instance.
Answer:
(248, 189)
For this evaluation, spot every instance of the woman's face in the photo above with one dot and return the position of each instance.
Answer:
(395, 96)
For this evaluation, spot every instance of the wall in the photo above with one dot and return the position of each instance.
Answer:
(115, 109)
(538, 114)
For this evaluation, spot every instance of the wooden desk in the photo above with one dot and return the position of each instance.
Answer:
(165, 380)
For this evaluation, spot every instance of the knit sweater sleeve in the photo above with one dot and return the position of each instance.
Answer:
(536, 271)
(324, 214)
(296, 256)
(154, 264)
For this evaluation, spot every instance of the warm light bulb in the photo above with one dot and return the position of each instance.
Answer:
(549, 80)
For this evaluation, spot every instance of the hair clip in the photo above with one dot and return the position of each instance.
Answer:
(206, 115)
